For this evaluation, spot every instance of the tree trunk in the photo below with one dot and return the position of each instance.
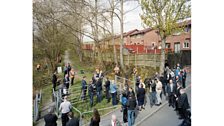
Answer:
(112, 31)
(122, 40)
(162, 60)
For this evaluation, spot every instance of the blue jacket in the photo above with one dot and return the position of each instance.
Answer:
(113, 88)
(176, 72)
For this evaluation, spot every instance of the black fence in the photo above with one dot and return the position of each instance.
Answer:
(183, 58)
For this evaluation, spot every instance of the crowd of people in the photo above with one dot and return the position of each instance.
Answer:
(170, 84)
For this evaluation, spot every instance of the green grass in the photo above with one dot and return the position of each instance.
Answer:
(75, 97)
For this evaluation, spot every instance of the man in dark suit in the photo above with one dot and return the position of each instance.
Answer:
(107, 86)
(50, 119)
(177, 95)
(183, 104)
(91, 92)
(73, 121)
(84, 88)
(66, 81)
(171, 90)
(99, 90)
(141, 97)
(54, 80)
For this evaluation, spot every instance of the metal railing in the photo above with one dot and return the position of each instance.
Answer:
(121, 81)
(36, 105)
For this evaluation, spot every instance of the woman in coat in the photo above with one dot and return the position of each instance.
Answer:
(141, 97)
(95, 120)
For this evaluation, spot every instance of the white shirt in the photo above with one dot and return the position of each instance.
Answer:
(171, 87)
(65, 107)
(142, 84)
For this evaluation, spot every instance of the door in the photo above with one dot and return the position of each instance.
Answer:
(177, 47)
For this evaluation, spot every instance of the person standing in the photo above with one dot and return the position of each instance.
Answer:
(184, 76)
(164, 86)
(50, 119)
(66, 81)
(99, 90)
(107, 86)
(72, 76)
(65, 69)
(158, 91)
(91, 92)
(114, 121)
(171, 89)
(130, 92)
(65, 108)
(54, 80)
(177, 95)
(116, 70)
(69, 69)
(142, 83)
(152, 95)
(73, 121)
(183, 104)
(84, 88)
(113, 91)
(124, 100)
(95, 120)
(131, 104)
(138, 78)
(141, 97)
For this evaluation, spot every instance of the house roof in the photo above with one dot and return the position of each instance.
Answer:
(125, 34)
(141, 31)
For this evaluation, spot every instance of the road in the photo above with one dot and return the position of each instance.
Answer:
(166, 116)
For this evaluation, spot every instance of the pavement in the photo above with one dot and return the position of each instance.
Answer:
(166, 116)
(41, 121)
(162, 114)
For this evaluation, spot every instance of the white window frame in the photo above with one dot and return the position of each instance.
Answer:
(186, 41)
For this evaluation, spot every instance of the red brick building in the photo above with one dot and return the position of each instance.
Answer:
(148, 41)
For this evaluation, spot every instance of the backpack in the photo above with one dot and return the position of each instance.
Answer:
(124, 100)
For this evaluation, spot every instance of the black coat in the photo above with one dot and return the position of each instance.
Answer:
(99, 85)
(73, 122)
(169, 89)
(153, 86)
(107, 85)
(54, 79)
(141, 93)
(178, 92)
(183, 101)
(90, 89)
(50, 120)
(131, 103)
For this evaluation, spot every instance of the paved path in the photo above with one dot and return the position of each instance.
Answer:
(144, 114)
(41, 122)
(166, 116)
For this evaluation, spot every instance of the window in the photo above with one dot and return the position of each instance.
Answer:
(177, 47)
(167, 45)
(186, 44)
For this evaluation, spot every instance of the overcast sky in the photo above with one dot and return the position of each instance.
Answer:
(131, 19)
